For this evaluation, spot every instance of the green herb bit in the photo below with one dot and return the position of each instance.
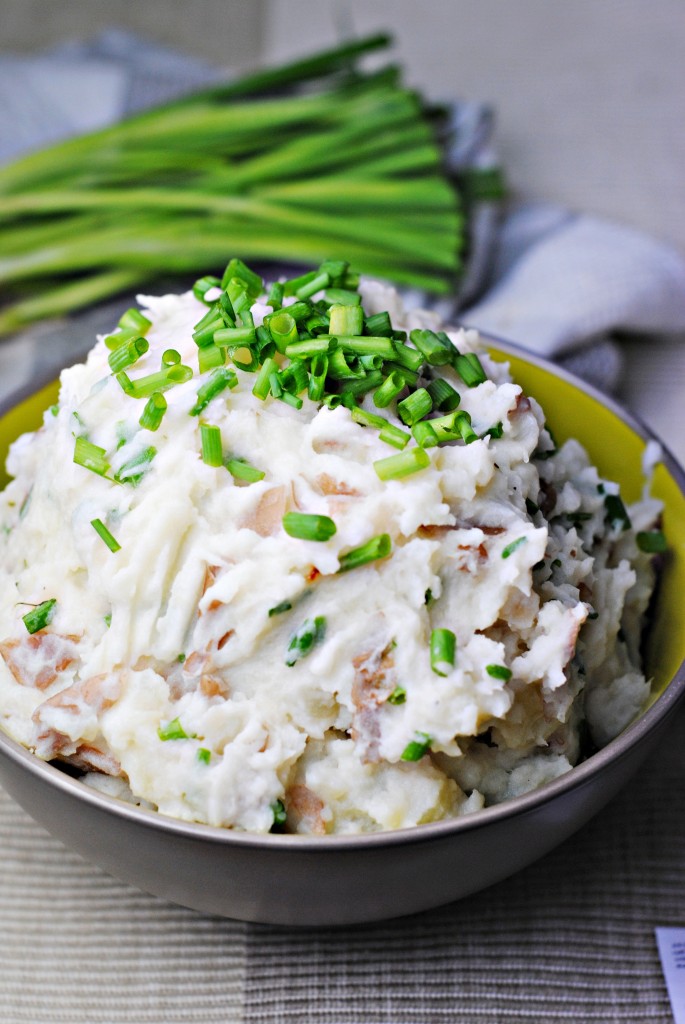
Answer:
(346, 320)
(294, 378)
(113, 341)
(443, 645)
(204, 335)
(309, 347)
(107, 619)
(398, 695)
(203, 285)
(391, 387)
(436, 349)
(409, 358)
(290, 399)
(391, 434)
(378, 547)
(462, 422)
(444, 395)
(308, 527)
(511, 548)
(133, 471)
(495, 432)
(395, 467)
(127, 354)
(210, 439)
(616, 513)
(303, 642)
(275, 296)
(203, 755)
(153, 413)
(470, 369)
(499, 672)
(283, 329)
(210, 357)
(219, 380)
(134, 320)
(40, 616)
(652, 542)
(241, 469)
(341, 296)
(279, 812)
(378, 324)
(531, 507)
(90, 456)
(362, 385)
(170, 357)
(262, 385)
(415, 407)
(367, 419)
(102, 532)
(251, 282)
(417, 748)
(173, 730)
(425, 434)
(284, 606)
(363, 345)
(163, 380)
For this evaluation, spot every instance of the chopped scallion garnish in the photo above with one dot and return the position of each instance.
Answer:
(417, 748)
(173, 730)
(219, 380)
(127, 354)
(444, 395)
(133, 320)
(203, 755)
(308, 527)
(511, 548)
(102, 532)
(616, 513)
(278, 609)
(210, 438)
(415, 407)
(390, 388)
(90, 456)
(40, 616)
(303, 642)
(378, 547)
(242, 470)
(279, 812)
(443, 644)
(498, 672)
(397, 466)
(153, 413)
(203, 285)
(651, 541)
(470, 369)
(398, 695)
(133, 471)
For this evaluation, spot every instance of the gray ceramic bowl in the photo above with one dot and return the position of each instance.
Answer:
(298, 880)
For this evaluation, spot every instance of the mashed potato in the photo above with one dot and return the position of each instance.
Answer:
(161, 630)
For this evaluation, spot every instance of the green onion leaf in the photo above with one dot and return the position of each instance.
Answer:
(173, 730)
(444, 395)
(282, 329)
(133, 320)
(241, 469)
(652, 541)
(378, 547)
(279, 812)
(303, 642)
(133, 471)
(90, 456)
(470, 369)
(210, 357)
(443, 645)
(616, 513)
(389, 390)
(153, 413)
(308, 527)
(203, 755)
(346, 320)
(498, 672)
(278, 609)
(511, 548)
(436, 349)
(220, 379)
(398, 695)
(105, 535)
(210, 437)
(394, 436)
(251, 282)
(40, 616)
(397, 466)
(415, 407)
(127, 354)
(418, 748)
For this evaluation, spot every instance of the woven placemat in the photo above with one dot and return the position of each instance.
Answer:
(569, 939)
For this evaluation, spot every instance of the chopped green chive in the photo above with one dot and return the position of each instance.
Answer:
(346, 320)
(308, 527)
(203, 285)
(282, 329)
(238, 271)
(278, 609)
(203, 755)
(133, 471)
(394, 436)
(443, 645)
(133, 320)
(127, 354)
(436, 349)
(444, 395)
(275, 296)
(418, 748)
(163, 380)
(652, 541)
(108, 619)
(242, 470)
(531, 507)
(498, 672)
(40, 616)
(173, 730)
(102, 532)
(262, 387)
(90, 456)
(397, 466)
(425, 434)
(398, 695)
(303, 642)
(279, 813)
(234, 337)
(390, 388)
(409, 358)
(415, 407)
(171, 357)
(616, 514)
(511, 548)
(153, 413)
(470, 369)
(367, 419)
(378, 547)
(210, 437)
(463, 423)
(219, 380)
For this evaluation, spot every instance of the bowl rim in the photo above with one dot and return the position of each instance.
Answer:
(618, 748)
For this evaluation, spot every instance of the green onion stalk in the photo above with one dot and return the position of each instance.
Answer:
(352, 165)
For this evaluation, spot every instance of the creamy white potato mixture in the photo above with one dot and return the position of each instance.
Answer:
(197, 658)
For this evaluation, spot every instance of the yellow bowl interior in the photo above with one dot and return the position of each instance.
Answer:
(613, 446)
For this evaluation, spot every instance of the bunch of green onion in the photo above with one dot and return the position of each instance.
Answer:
(294, 164)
